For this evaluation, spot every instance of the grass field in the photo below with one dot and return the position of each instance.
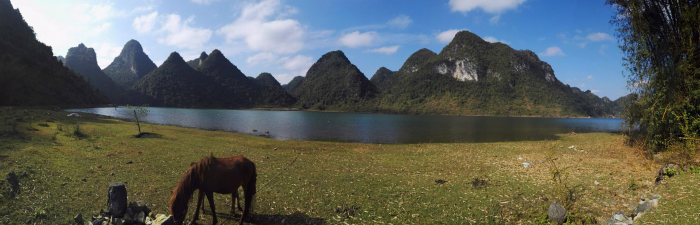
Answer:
(70, 163)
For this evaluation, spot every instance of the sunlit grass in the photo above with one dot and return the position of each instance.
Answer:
(329, 182)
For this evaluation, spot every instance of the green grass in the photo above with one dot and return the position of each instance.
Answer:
(331, 183)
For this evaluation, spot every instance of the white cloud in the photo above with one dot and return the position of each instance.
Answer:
(357, 39)
(582, 85)
(489, 6)
(261, 58)
(599, 37)
(384, 50)
(204, 2)
(553, 51)
(182, 35)
(58, 25)
(97, 30)
(589, 77)
(494, 19)
(259, 32)
(105, 53)
(145, 23)
(297, 62)
(446, 36)
(400, 22)
(494, 40)
(595, 91)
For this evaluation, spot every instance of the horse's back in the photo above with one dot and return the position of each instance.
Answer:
(227, 174)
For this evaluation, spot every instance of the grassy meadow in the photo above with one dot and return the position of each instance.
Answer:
(70, 163)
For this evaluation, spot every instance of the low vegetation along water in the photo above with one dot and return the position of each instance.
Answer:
(368, 128)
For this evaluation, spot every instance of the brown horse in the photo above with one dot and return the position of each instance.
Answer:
(209, 175)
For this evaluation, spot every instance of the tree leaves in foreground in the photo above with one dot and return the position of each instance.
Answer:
(660, 41)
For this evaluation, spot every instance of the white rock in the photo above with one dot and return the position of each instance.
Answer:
(73, 115)
(526, 164)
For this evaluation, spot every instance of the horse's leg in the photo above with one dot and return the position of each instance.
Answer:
(200, 198)
(210, 197)
(236, 201)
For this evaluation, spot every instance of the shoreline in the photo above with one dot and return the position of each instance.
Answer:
(365, 112)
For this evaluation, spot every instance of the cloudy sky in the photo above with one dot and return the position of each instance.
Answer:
(285, 37)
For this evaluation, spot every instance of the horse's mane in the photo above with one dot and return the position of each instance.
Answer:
(191, 179)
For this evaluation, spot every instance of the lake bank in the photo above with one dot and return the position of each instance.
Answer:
(367, 128)
(330, 182)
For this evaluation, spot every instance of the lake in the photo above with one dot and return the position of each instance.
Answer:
(367, 128)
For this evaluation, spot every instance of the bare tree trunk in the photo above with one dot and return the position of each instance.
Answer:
(137, 121)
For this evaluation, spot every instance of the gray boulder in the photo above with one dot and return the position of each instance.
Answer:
(619, 218)
(139, 206)
(140, 218)
(645, 206)
(116, 199)
(557, 213)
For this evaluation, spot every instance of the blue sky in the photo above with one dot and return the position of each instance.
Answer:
(286, 37)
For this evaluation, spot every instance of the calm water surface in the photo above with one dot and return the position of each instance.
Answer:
(368, 128)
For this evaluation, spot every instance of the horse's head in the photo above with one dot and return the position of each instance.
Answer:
(178, 207)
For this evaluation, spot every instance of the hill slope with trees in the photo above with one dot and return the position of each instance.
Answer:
(130, 66)
(29, 73)
(84, 61)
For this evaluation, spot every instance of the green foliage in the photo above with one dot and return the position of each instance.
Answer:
(694, 170)
(29, 73)
(661, 49)
(670, 171)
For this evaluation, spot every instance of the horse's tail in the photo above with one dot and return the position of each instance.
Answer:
(249, 192)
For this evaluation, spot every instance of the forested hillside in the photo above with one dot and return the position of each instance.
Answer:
(29, 73)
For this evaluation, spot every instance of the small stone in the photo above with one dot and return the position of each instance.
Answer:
(557, 214)
(140, 206)
(620, 192)
(162, 219)
(526, 164)
(112, 173)
(63, 184)
(619, 218)
(129, 212)
(645, 206)
(84, 179)
(140, 218)
(129, 162)
(79, 219)
(149, 221)
(613, 202)
(596, 182)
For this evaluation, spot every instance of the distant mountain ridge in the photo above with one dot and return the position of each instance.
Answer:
(84, 61)
(130, 66)
(29, 73)
(334, 82)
